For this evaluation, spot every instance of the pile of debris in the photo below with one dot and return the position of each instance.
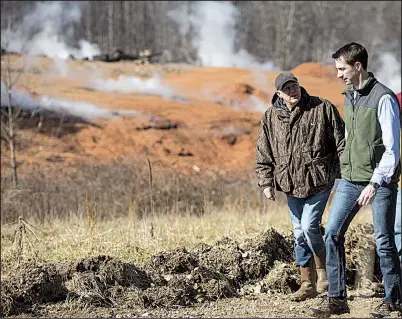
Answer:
(177, 278)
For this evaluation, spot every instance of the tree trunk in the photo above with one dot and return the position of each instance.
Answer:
(289, 46)
(376, 37)
(89, 22)
(11, 141)
(127, 25)
(110, 25)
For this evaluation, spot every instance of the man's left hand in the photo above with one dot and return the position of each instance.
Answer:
(367, 195)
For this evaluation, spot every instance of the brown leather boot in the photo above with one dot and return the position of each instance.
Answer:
(308, 283)
(322, 282)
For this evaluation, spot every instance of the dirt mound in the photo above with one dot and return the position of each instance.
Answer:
(95, 280)
(283, 278)
(112, 271)
(200, 284)
(87, 287)
(183, 277)
(362, 264)
(210, 272)
(29, 285)
(262, 251)
(101, 280)
(315, 70)
(243, 263)
(173, 262)
(177, 278)
(240, 95)
(224, 256)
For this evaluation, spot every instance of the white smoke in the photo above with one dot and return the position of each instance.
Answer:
(130, 84)
(252, 103)
(47, 30)
(81, 109)
(21, 99)
(77, 108)
(213, 24)
(96, 79)
(389, 72)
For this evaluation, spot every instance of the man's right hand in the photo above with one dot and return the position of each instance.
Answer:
(270, 193)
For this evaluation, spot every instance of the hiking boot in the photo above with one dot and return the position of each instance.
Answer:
(331, 306)
(308, 286)
(384, 310)
(378, 288)
(322, 282)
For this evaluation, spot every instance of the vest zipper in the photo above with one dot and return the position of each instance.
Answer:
(355, 114)
(353, 127)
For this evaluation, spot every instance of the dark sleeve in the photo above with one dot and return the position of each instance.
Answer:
(264, 164)
(337, 127)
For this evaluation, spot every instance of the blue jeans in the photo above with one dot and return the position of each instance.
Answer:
(306, 214)
(343, 209)
(398, 217)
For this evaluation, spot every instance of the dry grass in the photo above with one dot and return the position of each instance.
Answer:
(75, 217)
(136, 239)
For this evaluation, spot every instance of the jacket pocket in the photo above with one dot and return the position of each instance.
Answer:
(318, 170)
(282, 177)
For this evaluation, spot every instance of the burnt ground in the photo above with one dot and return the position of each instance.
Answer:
(227, 279)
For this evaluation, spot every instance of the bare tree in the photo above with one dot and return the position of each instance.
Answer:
(9, 116)
(379, 17)
(88, 21)
(110, 24)
(289, 33)
(127, 26)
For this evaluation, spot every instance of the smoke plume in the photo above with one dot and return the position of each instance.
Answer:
(389, 72)
(130, 84)
(47, 30)
(81, 109)
(213, 26)
(21, 99)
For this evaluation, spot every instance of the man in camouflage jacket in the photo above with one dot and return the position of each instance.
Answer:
(299, 143)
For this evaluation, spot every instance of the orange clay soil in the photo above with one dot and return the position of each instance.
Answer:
(211, 127)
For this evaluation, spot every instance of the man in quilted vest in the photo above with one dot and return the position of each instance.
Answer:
(370, 171)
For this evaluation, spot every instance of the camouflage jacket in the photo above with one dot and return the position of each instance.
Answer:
(298, 152)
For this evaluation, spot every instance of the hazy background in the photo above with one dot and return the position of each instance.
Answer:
(253, 34)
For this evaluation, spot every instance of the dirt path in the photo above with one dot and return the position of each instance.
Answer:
(264, 305)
